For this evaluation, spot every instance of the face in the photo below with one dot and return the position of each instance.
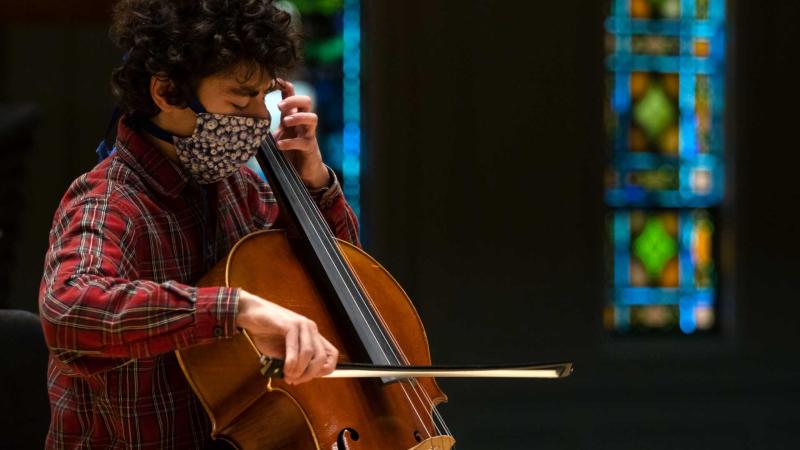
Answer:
(237, 92)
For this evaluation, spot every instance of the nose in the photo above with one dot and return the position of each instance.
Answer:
(258, 108)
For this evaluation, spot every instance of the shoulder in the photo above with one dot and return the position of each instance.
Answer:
(253, 179)
(249, 183)
(110, 186)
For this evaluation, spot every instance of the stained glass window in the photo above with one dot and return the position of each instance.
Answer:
(330, 75)
(664, 180)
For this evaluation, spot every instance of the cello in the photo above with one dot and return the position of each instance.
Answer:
(387, 403)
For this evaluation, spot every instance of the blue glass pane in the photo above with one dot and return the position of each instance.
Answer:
(665, 61)
(331, 75)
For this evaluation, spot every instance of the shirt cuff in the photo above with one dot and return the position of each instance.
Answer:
(326, 196)
(215, 312)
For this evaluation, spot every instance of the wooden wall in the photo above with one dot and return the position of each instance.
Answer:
(484, 174)
(485, 135)
(55, 11)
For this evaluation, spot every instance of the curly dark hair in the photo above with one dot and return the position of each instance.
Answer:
(187, 40)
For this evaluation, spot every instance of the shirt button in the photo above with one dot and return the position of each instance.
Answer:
(218, 331)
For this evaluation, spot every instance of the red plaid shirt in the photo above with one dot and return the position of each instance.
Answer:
(117, 297)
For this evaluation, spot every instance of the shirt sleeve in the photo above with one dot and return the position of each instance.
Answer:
(338, 213)
(97, 314)
(330, 199)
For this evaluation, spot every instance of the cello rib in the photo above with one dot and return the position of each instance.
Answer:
(436, 443)
(226, 377)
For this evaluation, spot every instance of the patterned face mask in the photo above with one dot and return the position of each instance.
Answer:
(219, 145)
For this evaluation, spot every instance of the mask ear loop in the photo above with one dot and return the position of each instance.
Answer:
(164, 135)
(196, 106)
(156, 131)
(105, 149)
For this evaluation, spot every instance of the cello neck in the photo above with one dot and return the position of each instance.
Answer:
(324, 259)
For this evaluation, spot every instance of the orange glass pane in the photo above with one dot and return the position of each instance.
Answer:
(641, 9)
(702, 48)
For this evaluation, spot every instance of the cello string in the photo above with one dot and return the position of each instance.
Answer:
(312, 214)
(405, 359)
(315, 216)
(378, 317)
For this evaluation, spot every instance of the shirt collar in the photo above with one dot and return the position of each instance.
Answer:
(164, 175)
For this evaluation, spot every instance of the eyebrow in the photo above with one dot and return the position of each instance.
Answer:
(244, 90)
(251, 91)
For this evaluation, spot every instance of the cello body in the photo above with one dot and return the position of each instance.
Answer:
(253, 412)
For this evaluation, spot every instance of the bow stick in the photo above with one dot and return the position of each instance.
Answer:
(273, 368)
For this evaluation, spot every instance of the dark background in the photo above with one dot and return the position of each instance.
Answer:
(483, 196)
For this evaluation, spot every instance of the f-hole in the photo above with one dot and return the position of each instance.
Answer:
(341, 441)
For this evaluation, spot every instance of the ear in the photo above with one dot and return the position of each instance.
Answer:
(160, 85)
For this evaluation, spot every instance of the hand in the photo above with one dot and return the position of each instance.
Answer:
(297, 137)
(281, 333)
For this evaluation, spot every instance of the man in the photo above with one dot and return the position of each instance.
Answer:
(131, 237)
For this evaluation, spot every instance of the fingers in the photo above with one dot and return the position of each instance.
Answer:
(308, 354)
(295, 103)
(298, 125)
(296, 119)
(305, 354)
(306, 119)
(302, 144)
(331, 358)
(314, 368)
(291, 102)
(280, 332)
(292, 349)
(286, 88)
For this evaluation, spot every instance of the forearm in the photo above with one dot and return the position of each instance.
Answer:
(337, 212)
(105, 317)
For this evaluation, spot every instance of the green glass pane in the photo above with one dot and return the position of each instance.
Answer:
(703, 113)
(655, 247)
(654, 112)
(654, 118)
(665, 178)
(655, 45)
(662, 267)
(701, 8)
(324, 7)
(325, 51)
(702, 250)
(655, 9)
(652, 249)
(656, 317)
